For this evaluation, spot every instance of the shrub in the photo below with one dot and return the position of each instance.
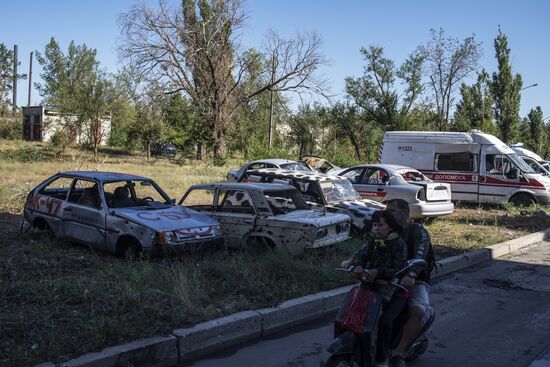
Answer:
(25, 155)
(10, 128)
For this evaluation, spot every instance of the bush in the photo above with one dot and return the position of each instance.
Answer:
(25, 155)
(10, 128)
(60, 140)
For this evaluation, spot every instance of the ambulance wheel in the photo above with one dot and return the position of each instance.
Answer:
(522, 200)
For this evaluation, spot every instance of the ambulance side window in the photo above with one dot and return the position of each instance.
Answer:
(460, 162)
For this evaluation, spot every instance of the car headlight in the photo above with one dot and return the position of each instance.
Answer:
(167, 238)
(342, 227)
(321, 233)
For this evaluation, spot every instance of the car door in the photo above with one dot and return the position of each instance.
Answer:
(373, 184)
(500, 177)
(236, 213)
(83, 215)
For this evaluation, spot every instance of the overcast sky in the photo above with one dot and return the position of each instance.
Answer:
(346, 26)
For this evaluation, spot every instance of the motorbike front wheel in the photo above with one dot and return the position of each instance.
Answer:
(340, 360)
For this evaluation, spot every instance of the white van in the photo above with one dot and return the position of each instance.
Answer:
(479, 167)
(536, 162)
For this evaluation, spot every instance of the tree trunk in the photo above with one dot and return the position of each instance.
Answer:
(200, 151)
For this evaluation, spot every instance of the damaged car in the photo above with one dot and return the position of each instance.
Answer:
(324, 192)
(118, 213)
(235, 174)
(318, 164)
(383, 182)
(270, 215)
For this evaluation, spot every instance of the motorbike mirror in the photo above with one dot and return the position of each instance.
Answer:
(416, 265)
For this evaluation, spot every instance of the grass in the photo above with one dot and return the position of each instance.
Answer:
(59, 300)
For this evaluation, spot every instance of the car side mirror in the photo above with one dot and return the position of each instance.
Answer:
(513, 174)
(173, 201)
(356, 179)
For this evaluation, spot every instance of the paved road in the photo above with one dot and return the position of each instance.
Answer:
(494, 314)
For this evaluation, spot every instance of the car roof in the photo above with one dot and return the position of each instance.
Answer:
(277, 161)
(302, 175)
(387, 167)
(260, 186)
(102, 176)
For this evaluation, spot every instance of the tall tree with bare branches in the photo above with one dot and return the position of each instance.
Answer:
(195, 48)
(448, 61)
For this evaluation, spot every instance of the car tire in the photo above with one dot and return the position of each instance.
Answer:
(522, 200)
(128, 249)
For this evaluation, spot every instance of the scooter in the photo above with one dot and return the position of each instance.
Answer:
(356, 324)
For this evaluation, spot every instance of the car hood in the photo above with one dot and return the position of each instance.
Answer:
(167, 219)
(360, 204)
(312, 217)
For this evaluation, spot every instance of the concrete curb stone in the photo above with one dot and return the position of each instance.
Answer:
(218, 334)
(241, 327)
(158, 351)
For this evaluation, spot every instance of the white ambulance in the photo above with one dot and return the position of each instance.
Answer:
(479, 167)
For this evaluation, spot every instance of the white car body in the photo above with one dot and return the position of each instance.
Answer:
(235, 174)
(383, 182)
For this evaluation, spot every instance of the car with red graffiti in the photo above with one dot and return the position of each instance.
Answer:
(383, 182)
(118, 213)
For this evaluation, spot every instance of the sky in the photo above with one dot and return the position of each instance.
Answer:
(345, 26)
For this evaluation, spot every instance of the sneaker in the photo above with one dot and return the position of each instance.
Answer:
(397, 361)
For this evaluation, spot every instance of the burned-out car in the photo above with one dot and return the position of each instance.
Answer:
(324, 192)
(319, 164)
(235, 174)
(118, 213)
(383, 182)
(273, 215)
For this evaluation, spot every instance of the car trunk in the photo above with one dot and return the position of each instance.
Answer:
(435, 191)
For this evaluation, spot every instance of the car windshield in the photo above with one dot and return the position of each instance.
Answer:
(338, 190)
(413, 176)
(524, 167)
(295, 166)
(284, 201)
(134, 193)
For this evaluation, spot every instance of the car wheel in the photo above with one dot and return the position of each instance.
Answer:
(128, 248)
(522, 200)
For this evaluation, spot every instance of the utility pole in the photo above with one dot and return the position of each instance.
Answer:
(30, 82)
(14, 90)
(271, 102)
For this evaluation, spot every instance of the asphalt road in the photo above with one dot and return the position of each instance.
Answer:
(494, 314)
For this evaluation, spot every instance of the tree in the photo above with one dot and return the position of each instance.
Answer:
(305, 128)
(448, 61)
(536, 130)
(506, 89)
(375, 92)
(197, 52)
(74, 84)
(475, 109)
(6, 79)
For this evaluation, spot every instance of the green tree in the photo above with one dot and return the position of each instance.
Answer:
(376, 94)
(74, 85)
(448, 62)
(475, 109)
(6, 80)
(537, 131)
(506, 89)
(306, 129)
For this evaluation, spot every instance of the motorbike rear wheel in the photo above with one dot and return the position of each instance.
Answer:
(341, 360)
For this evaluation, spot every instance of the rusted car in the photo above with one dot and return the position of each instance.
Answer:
(235, 174)
(383, 182)
(318, 164)
(324, 192)
(273, 215)
(117, 213)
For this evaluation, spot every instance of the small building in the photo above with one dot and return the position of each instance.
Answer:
(41, 123)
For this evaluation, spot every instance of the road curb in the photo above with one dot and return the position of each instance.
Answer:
(214, 335)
